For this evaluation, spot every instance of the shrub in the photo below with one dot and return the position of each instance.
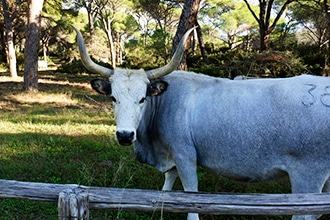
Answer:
(270, 64)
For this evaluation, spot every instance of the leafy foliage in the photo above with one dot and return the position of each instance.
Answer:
(270, 64)
(155, 53)
(143, 37)
(313, 57)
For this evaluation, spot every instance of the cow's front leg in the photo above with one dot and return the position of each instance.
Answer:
(170, 177)
(190, 184)
(188, 175)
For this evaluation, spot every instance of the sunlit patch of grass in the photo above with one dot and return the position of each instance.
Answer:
(68, 128)
(60, 99)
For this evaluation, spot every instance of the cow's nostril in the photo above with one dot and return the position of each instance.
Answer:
(125, 137)
(125, 134)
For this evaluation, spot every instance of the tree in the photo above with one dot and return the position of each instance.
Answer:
(266, 26)
(326, 11)
(188, 19)
(164, 17)
(163, 12)
(231, 18)
(310, 15)
(51, 25)
(91, 7)
(124, 28)
(315, 18)
(143, 18)
(10, 12)
(106, 16)
(32, 45)
(114, 19)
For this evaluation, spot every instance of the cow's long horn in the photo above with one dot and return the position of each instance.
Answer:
(87, 61)
(175, 61)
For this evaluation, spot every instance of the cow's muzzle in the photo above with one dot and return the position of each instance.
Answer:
(125, 138)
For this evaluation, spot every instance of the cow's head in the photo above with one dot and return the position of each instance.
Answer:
(129, 89)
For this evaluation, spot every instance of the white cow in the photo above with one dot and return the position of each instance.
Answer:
(251, 130)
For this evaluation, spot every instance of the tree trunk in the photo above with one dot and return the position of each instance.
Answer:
(11, 54)
(32, 45)
(202, 45)
(326, 70)
(9, 39)
(263, 26)
(188, 20)
(119, 52)
(264, 21)
(112, 48)
(44, 52)
(107, 28)
(45, 44)
(90, 19)
(264, 39)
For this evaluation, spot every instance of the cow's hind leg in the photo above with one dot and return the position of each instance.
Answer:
(170, 177)
(307, 182)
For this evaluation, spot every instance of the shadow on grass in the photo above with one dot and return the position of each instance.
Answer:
(80, 159)
(52, 82)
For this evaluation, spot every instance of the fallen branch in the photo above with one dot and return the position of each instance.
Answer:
(99, 103)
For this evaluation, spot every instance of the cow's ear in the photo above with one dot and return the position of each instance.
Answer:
(101, 86)
(156, 87)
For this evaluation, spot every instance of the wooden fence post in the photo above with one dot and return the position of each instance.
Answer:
(73, 204)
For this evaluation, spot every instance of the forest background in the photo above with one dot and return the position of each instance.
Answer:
(62, 132)
(238, 37)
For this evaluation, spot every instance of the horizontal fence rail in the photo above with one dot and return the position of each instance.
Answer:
(172, 201)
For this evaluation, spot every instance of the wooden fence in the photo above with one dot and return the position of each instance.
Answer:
(74, 201)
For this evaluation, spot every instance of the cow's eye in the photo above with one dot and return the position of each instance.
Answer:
(113, 99)
(142, 100)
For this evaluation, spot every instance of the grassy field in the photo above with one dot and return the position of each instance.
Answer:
(64, 134)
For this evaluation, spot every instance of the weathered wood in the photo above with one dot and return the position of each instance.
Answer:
(73, 204)
(151, 200)
(32, 190)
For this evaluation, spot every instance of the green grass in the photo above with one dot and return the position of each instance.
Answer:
(61, 136)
